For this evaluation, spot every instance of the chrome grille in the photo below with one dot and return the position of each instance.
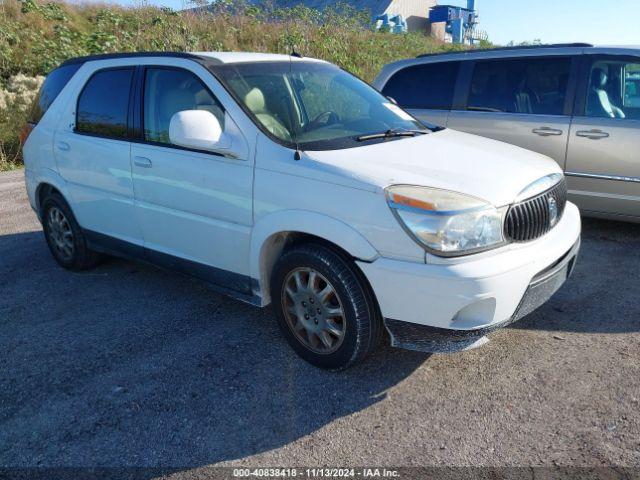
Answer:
(532, 218)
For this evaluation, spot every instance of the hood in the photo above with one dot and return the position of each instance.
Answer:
(493, 171)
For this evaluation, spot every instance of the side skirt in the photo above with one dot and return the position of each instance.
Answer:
(240, 287)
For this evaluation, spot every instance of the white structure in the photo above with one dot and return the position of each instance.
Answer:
(415, 12)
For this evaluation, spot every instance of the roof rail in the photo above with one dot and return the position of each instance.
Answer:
(109, 56)
(502, 49)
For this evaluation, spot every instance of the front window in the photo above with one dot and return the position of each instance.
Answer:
(168, 91)
(314, 105)
(614, 90)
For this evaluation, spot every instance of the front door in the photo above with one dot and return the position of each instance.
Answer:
(525, 102)
(603, 160)
(194, 207)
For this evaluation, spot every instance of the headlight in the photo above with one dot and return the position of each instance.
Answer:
(447, 223)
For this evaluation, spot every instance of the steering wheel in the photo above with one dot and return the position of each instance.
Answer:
(324, 119)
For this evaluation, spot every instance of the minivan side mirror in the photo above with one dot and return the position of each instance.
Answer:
(198, 129)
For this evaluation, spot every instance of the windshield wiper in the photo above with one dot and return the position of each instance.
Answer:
(391, 134)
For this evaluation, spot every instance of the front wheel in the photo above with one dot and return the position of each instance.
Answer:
(324, 307)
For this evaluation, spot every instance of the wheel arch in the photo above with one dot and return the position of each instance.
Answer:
(274, 234)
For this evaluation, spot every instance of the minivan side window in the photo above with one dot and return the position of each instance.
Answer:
(614, 90)
(426, 86)
(104, 103)
(529, 86)
(51, 88)
(168, 91)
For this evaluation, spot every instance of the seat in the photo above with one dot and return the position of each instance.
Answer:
(205, 102)
(598, 102)
(256, 102)
(525, 98)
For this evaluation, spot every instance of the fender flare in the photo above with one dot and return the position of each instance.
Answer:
(272, 226)
(50, 177)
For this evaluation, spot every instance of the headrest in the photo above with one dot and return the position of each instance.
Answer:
(599, 78)
(255, 100)
(177, 100)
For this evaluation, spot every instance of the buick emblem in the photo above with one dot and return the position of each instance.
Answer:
(553, 210)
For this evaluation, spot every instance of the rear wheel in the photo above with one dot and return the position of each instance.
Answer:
(64, 236)
(325, 307)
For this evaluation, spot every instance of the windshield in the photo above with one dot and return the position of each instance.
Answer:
(315, 106)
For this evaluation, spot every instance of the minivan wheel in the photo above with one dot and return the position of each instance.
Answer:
(64, 236)
(324, 307)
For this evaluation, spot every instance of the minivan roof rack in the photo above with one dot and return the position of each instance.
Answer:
(517, 47)
(109, 56)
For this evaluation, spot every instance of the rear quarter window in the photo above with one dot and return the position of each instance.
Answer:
(103, 104)
(426, 86)
(51, 88)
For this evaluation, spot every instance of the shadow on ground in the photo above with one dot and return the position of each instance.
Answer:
(127, 365)
(604, 285)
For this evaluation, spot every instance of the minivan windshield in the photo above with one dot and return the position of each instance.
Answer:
(316, 106)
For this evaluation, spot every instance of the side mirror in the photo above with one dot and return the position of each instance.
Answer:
(198, 129)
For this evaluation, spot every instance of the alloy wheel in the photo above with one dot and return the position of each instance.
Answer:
(313, 310)
(60, 233)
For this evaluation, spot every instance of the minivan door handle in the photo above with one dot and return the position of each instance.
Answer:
(64, 146)
(143, 162)
(592, 134)
(547, 132)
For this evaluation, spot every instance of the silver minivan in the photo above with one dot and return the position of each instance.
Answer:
(576, 103)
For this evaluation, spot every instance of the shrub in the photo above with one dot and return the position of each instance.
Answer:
(15, 99)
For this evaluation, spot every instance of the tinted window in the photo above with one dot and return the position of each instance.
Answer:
(614, 90)
(104, 102)
(535, 86)
(51, 88)
(169, 91)
(424, 86)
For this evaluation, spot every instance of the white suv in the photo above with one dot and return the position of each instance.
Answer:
(286, 180)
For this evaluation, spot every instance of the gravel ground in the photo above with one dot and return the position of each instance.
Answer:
(128, 365)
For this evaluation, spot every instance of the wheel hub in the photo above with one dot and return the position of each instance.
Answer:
(313, 310)
(60, 233)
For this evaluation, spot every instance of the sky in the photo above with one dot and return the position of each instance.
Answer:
(603, 22)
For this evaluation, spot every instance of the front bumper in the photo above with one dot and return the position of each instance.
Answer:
(453, 305)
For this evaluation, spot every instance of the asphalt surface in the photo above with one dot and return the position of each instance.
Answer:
(128, 365)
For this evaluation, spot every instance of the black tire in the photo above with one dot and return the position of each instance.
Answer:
(361, 321)
(80, 256)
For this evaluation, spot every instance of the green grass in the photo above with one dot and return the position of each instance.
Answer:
(35, 37)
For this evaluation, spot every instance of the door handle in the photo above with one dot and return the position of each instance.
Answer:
(547, 132)
(143, 162)
(64, 146)
(592, 134)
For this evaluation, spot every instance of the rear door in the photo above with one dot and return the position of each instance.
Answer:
(603, 160)
(426, 90)
(523, 101)
(92, 151)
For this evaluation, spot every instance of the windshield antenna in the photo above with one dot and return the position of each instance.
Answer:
(298, 154)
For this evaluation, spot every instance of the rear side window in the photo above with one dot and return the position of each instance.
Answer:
(51, 88)
(533, 86)
(428, 86)
(104, 103)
